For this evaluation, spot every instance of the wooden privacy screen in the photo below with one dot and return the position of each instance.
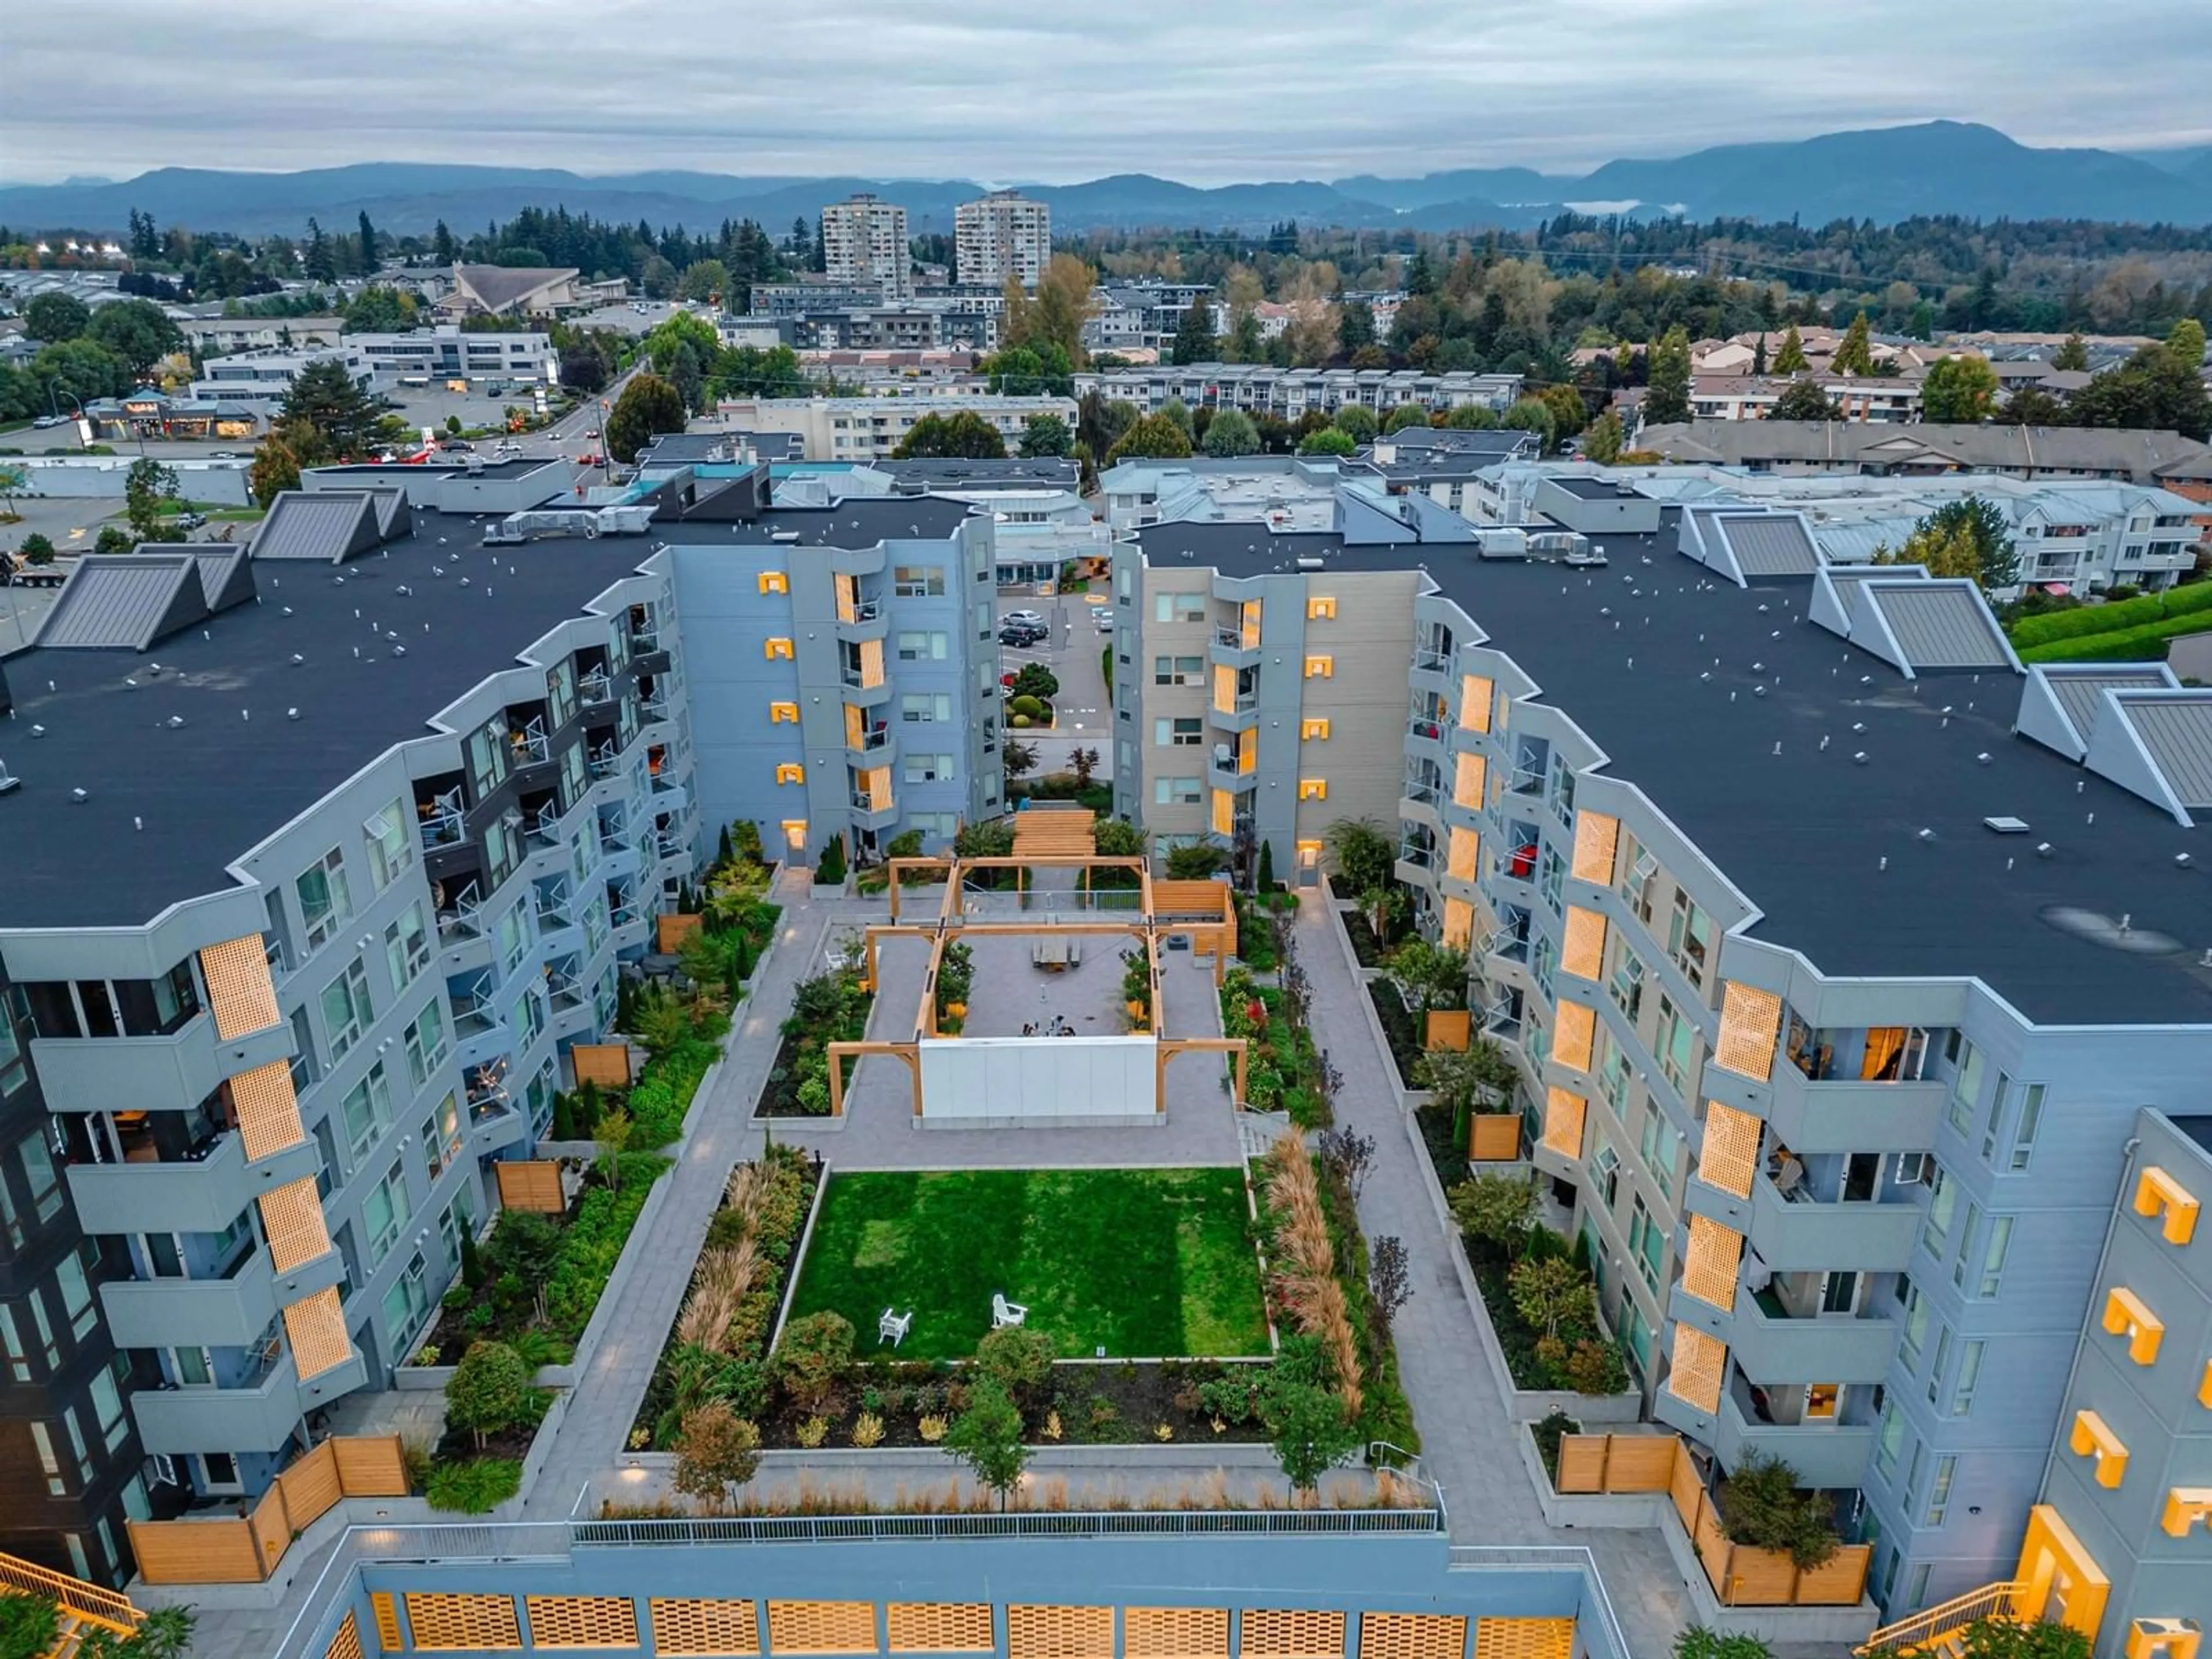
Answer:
(1524, 1638)
(387, 1611)
(693, 1627)
(670, 932)
(1597, 837)
(268, 1111)
(196, 1551)
(1710, 1268)
(1564, 1113)
(346, 1643)
(1699, 1359)
(939, 1627)
(1750, 1020)
(822, 1626)
(1291, 1634)
(444, 1623)
(1048, 1631)
(1412, 1636)
(1729, 1156)
(1448, 1028)
(1174, 1633)
(371, 1466)
(606, 1064)
(292, 1222)
(239, 987)
(316, 1330)
(581, 1621)
(531, 1184)
(1618, 1462)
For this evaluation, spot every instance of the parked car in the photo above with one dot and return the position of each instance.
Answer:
(1103, 619)
(1028, 618)
(225, 455)
(191, 520)
(1020, 638)
(46, 423)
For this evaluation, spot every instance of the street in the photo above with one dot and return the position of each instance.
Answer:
(1083, 714)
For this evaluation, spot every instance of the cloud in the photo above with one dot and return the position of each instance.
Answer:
(1002, 90)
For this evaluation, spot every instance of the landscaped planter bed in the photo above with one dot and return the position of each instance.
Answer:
(1399, 1029)
(830, 1007)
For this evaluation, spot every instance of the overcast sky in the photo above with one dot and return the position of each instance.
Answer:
(1209, 91)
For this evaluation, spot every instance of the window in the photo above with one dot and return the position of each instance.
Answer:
(783, 713)
(921, 648)
(1689, 940)
(1916, 1324)
(391, 845)
(921, 708)
(1965, 1084)
(365, 1111)
(303, 1067)
(1177, 791)
(1969, 1374)
(1993, 1256)
(1321, 667)
(43, 1439)
(928, 768)
(13, 1069)
(1316, 728)
(1889, 1440)
(1939, 1491)
(1677, 1047)
(778, 648)
(513, 937)
(1627, 985)
(1636, 1334)
(777, 581)
(1942, 1203)
(407, 948)
(384, 1213)
(1611, 1070)
(1554, 878)
(1942, 1357)
(38, 1171)
(529, 1019)
(918, 581)
(77, 1307)
(11, 1344)
(2024, 1127)
(1179, 734)
(1661, 1144)
(441, 1137)
(107, 1409)
(1562, 794)
(406, 1303)
(1178, 607)
(347, 1011)
(790, 771)
(190, 1368)
(1178, 671)
(1313, 788)
(1647, 1242)
(325, 902)
(426, 1044)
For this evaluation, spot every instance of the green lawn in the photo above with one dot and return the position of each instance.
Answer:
(1147, 1263)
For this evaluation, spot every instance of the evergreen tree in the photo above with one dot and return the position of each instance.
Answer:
(368, 244)
(1856, 354)
(319, 265)
(441, 244)
(1759, 356)
(1194, 336)
(1605, 440)
(1666, 400)
(1790, 359)
(2073, 357)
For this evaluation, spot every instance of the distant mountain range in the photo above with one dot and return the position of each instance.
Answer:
(1884, 175)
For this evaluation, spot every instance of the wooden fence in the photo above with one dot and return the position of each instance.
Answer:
(246, 1549)
(1741, 1577)
(531, 1184)
(1493, 1137)
(606, 1064)
(670, 932)
(1448, 1028)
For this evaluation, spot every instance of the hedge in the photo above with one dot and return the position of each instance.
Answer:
(2146, 643)
(2055, 625)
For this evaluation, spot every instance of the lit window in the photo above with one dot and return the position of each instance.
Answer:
(1320, 668)
(1317, 730)
(1313, 788)
(783, 713)
(774, 581)
(1319, 610)
(790, 772)
(778, 648)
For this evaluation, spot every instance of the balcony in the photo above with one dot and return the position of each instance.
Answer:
(175, 1073)
(873, 812)
(198, 1196)
(528, 745)
(228, 1310)
(864, 620)
(1777, 1335)
(1823, 1454)
(1240, 714)
(876, 743)
(594, 687)
(1433, 670)
(1846, 1116)
(1416, 865)
(259, 1418)
(1232, 648)
(1799, 1233)
(460, 912)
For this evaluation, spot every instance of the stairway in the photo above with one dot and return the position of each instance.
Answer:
(1938, 1632)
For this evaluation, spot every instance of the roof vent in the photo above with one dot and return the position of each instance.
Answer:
(2006, 826)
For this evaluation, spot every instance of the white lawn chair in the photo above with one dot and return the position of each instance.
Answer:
(1005, 1313)
(892, 1327)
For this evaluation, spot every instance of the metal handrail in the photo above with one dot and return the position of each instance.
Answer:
(1931, 1625)
(107, 1609)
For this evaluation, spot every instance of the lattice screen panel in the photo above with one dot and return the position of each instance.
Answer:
(1474, 691)
(239, 987)
(1709, 1269)
(940, 1627)
(292, 1222)
(1597, 837)
(1699, 1359)
(1049, 1631)
(1524, 1638)
(444, 1623)
(822, 1626)
(1463, 854)
(1412, 1636)
(1468, 774)
(1575, 1034)
(697, 1627)
(346, 1644)
(1750, 1018)
(581, 1621)
(1459, 923)
(1583, 955)
(1729, 1156)
(1175, 1632)
(1564, 1114)
(387, 1612)
(1292, 1634)
(268, 1110)
(316, 1330)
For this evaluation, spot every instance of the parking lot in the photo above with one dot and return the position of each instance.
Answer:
(1082, 713)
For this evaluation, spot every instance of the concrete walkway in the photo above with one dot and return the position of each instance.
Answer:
(1468, 1437)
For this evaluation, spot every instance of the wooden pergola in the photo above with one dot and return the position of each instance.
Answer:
(1202, 911)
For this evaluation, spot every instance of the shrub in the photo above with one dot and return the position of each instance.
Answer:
(812, 1432)
(473, 1488)
(2001, 1639)
(1700, 1642)
(829, 868)
(1761, 1506)
(2144, 642)
(1496, 1208)
(1556, 1426)
(1596, 1367)
(1031, 708)
(868, 1429)
(489, 1392)
(2088, 619)
(715, 1451)
(28, 1626)
(1018, 1358)
(815, 1355)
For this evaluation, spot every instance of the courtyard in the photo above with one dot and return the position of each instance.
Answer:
(1148, 1263)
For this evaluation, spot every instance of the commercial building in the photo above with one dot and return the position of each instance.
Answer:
(863, 241)
(263, 377)
(307, 899)
(1289, 393)
(1004, 235)
(523, 291)
(1838, 954)
(870, 429)
(447, 352)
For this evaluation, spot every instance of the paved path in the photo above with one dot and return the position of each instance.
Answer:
(1467, 1437)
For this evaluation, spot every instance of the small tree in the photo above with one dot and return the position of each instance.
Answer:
(716, 1451)
(1347, 1153)
(1496, 1208)
(1429, 976)
(1201, 860)
(1552, 1293)
(1389, 1282)
(147, 489)
(1034, 679)
(28, 1626)
(1019, 756)
(1306, 1427)
(988, 1438)
(1605, 440)
(1084, 762)
(1265, 879)
(1761, 1506)
(815, 1355)
(488, 1392)
(167, 1634)
(1804, 400)
(2001, 1639)
(613, 1134)
(1018, 1359)
(37, 549)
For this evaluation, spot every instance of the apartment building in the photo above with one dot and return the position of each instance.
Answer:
(863, 241)
(1004, 235)
(1924, 450)
(1721, 396)
(870, 429)
(1837, 951)
(322, 850)
(2128, 1491)
(1290, 393)
(851, 688)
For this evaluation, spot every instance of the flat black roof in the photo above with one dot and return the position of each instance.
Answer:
(1591, 489)
(2197, 1128)
(857, 521)
(395, 472)
(238, 768)
(1661, 664)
